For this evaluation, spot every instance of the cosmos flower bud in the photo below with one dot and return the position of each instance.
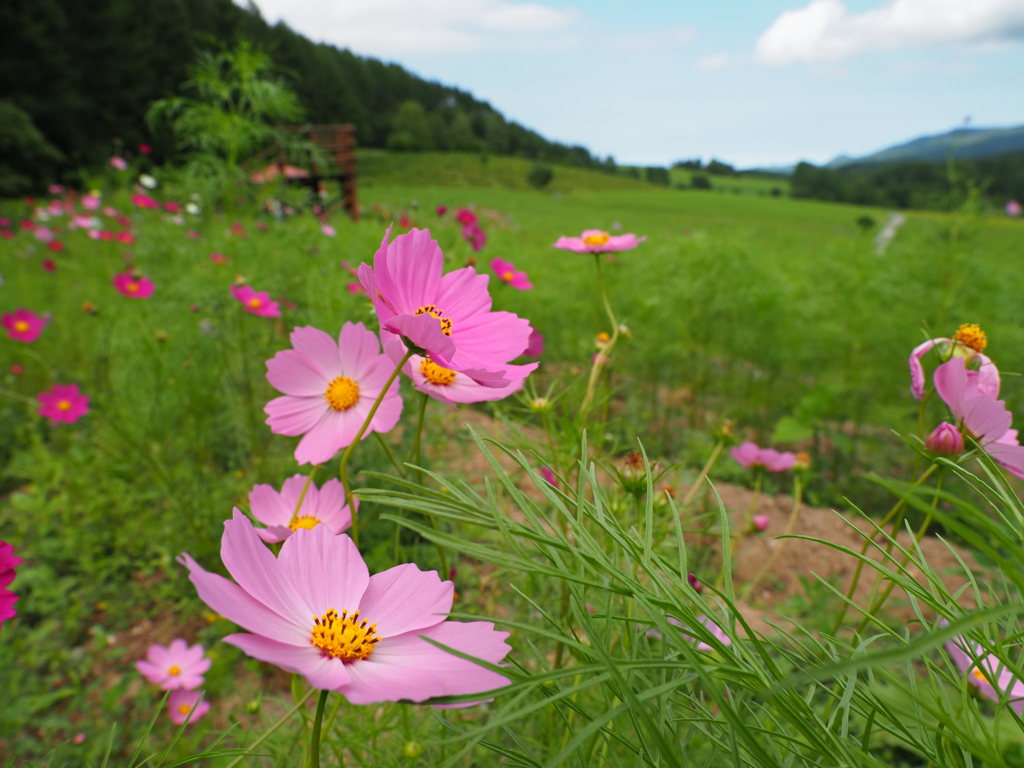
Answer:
(945, 440)
(761, 522)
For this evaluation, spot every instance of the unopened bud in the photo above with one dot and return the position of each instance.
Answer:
(945, 440)
(803, 461)
(539, 405)
(761, 522)
(412, 749)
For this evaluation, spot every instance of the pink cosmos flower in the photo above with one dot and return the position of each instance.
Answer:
(447, 316)
(761, 522)
(979, 416)
(315, 610)
(256, 302)
(282, 515)
(43, 234)
(23, 325)
(464, 216)
(119, 163)
(550, 477)
(8, 562)
(55, 245)
(749, 455)
(329, 388)
(506, 272)
(945, 440)
(133, 287)
(177, 666)
(1013, 208)
(218, 258)
(535, 346)
(186, 705)
(477, 237)
(442, 210)
(716, 631)
(6, 234)
(145, 149)
(63, 403)
(328, 230)
(450, 387)
(144, 201)
(597, 241)
(986, 672)
(981, 371)
(91, 202)
(49, 265)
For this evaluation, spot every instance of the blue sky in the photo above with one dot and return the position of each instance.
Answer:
(752, 83)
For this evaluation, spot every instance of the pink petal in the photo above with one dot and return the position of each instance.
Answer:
(334, 431)
(296, 373)
(268, 507)
(327, 570)
(408, 271)
(295, 415)
(318, 347)
(405, 598)
(321, 671)
(358, 348)
(464, 294)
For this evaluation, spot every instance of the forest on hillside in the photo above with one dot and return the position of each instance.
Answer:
(76, 80)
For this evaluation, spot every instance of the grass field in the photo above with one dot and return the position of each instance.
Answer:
(775, 313)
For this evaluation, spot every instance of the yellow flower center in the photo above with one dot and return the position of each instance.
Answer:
(977, 674)
(344, 637)
(133, 287)
(971, 335)
(63, 405)
(21, 326)
(435, 374)
(507, 276)
(599, 238)
(184, 709)
(342, 393)
(433, 311)
(175, 670)
(255, 303)
(602, 338)
(306, 521)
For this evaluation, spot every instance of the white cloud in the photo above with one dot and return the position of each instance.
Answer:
(825, 30)
(391, 28)
(719, 61)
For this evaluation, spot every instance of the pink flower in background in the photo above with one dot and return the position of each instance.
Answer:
(175, 666)
(6, 234)
(967, 343)
(329, 388)
(5, 222)
(749, 455)
(979, 416)
(55, 189)
(354, 287)
(716, 632)
(282, 515)
(477, 237)
(314, 610)
(145, 149)
(328, 230)
(125, 237)
(403, 221)
(446, 315)
(55, 246)
(507, 273)
(49, 265)
(133, 287)
(145, 201)
(761, 522)
(63, 403)
(119, 163)
(465, 217)
(1013, 208)
(238, 230)
(8, 562)
(91, 202)
(550, 477)
(535, 346)
(171, 207)
(43, 234)
(185, 706)
(442, 210)
(218, 258)
(256, 302)
(192, 234)
(985, 672)
(24, 325)
(597, 241)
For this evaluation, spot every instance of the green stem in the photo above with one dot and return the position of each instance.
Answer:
(741, 530)
(604, 354)
(343, 466)
(790, 524)
(417, 440)
(270, 731)
(390, 454)
(897, 508)
(314, 739)
(703, 474)
(302, 496)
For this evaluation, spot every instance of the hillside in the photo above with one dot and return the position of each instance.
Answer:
(958, 144)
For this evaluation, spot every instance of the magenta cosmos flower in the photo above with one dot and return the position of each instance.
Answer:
(979, 416)
(968, 343)
(63, 403)
(749, 455)
(329, 388)
(23, 325)
(175, 666)
(315, 610)
(507, 273)
(256, 302)
(598, 241)
(986, 673)
(133, 287)
(282, 515)
(448, 316)
(8, 562)
(185, 706)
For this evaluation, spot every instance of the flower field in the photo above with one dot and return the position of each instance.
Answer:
(239, 525)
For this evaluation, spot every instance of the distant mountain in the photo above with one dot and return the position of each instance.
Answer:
(959, 144)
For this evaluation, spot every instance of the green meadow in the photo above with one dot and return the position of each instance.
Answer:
(778, 316)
